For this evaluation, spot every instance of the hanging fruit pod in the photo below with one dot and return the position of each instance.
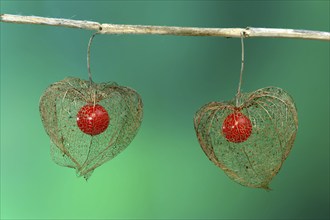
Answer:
(89, 123)
(249, 142)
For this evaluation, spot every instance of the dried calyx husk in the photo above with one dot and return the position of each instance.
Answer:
(257, 160)
(70, 147)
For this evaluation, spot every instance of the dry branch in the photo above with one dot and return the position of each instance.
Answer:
(167, 30)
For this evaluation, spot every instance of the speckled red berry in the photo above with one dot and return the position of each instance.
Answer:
(93, 119)
(237, 127)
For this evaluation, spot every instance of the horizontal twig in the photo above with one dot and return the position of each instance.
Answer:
(167, 30)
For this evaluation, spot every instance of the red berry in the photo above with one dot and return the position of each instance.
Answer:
(93, 119)
(237, 127)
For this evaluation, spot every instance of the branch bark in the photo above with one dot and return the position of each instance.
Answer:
(167, 30)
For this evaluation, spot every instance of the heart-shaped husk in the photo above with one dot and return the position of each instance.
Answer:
(257, 160)
(71, 147)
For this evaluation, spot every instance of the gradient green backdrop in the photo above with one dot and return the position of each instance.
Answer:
(163, 173)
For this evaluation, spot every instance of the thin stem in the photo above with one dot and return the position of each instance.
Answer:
(89, 58)
(238, 95)
(167, 30)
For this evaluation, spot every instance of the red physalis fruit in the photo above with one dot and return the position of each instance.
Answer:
(93, 119)
(237, 127)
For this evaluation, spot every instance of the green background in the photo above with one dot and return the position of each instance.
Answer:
(163, 173)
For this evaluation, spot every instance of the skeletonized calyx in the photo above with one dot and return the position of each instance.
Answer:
(254, 161)
(70, 146)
